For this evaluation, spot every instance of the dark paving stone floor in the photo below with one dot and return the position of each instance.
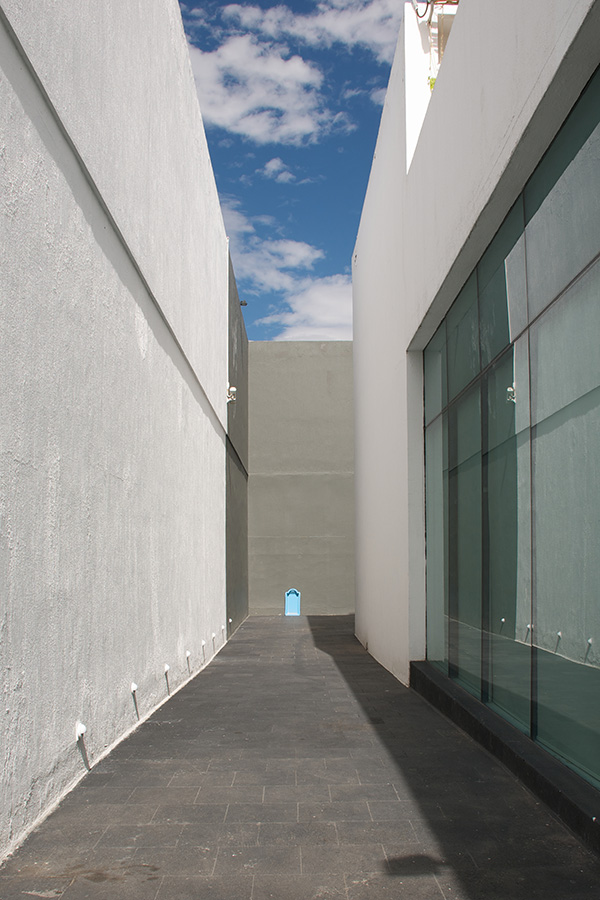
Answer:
(294, 768)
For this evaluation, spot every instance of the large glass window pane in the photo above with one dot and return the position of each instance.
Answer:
(565, 373)
(435, 374)
(436, 510)
(513, 460)
(464, 540)
(509, 670)
(523, 440)
(463, 339)
(493, 287)
(561, 204)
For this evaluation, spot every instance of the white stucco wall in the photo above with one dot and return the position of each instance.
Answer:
(509, 76)
(119, 76)
(113, 365)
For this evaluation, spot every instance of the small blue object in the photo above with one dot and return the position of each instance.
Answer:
(292, 602)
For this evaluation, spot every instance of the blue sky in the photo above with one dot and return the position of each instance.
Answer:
(291, 98)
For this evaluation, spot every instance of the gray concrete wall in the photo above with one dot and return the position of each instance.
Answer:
(301, 485)
(114, 369)
(237, 465)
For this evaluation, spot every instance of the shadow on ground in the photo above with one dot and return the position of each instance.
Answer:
(481, 834)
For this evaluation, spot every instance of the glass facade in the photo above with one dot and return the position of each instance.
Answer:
(512, 453)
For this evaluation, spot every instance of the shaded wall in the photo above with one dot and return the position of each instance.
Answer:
(301, 485)
(237, 465)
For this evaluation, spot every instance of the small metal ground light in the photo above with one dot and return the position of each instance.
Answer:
(292, 602)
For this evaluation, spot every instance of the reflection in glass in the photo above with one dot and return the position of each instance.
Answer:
(436, 512)
(464, 539)
(508, 673)
(435, 374)
(561, 204)
(566, 491)
(463, 339)
(512, 400)
(492, 286)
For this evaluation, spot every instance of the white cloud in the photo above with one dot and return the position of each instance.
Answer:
(277, 170)
(252, 86)
(266, 265)
(368, 23)
(316, 308)
(259, 91)
(319, 310)
(378, 96)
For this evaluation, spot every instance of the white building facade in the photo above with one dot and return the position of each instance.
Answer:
(477, 367)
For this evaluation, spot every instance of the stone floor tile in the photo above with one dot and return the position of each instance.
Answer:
(24, 888)
(61, 860)
(197, 780)
(376, 832)
(522, 883)
(297, 834)
(386, 887)
(345, 859)
(99, 815)
(184, 861)
(213, 836)
(262, 812)
(334, 751)
(143, 887)
(340, 811)
(134, 836)
(293, 792)
(300, 887)
(80, 836)
(258, 861)
(158, 795)
(191, 814)
(252, 777)
(81, 799)
(369, 773)
(227, 887)
(378, 791)
(244, 793)
(393, 810)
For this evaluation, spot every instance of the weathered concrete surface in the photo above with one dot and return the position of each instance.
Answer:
(301, 486)
(113, 365)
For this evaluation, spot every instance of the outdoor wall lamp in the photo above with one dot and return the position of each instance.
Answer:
(231, 393)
